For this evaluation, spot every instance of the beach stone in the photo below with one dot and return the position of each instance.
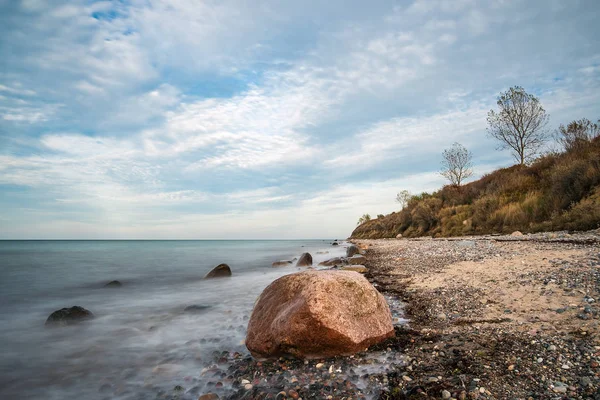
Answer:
(399, 236)
(196, 308)
(356, 268)
(357, 259)
(305, 260)
(335, 244)
(446, 394)
(208, 396)
(113, 284)
(318, 314)
(68, 316)
(333, 261)
(281, 263)
(352, 250)
(516, 233)
(220, 271)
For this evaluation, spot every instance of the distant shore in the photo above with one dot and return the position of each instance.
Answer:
(493, 316)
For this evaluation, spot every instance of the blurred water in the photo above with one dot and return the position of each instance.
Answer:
(141, 343)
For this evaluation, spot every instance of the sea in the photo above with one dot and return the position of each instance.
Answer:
(141, 343)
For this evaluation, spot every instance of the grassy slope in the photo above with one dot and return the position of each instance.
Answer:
(556, 192)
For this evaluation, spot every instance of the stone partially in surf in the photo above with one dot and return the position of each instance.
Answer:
(69, 316)
(113, 284)
(281, 263)
(305, 260)
(318, 314)
(352, 250)
(332, 262)
(220, 271)
(357, 259)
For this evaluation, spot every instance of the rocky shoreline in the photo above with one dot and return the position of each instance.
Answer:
(490, 317)
(502, 317)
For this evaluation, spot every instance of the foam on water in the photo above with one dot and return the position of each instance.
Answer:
(141, 342)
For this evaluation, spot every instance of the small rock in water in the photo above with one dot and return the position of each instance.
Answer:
(352, 250)
(69, 316)
(220, 271)
(305, 260)
(248, 386)
(283, 263)
(113, 284)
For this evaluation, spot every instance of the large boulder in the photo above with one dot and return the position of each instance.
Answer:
(318, 314)
(68, 316)
(352, 250)
(220, 271)
(357, 259)
(305, 260)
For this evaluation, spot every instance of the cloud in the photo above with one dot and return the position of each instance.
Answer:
(175, 118)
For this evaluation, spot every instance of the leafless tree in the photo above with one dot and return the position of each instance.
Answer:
(403, 197)
(456, 165)
(519, 124)
(577, 133)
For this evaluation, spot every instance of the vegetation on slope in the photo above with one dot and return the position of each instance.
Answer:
(556, 192)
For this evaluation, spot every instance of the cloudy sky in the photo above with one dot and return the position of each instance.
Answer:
(263, 119)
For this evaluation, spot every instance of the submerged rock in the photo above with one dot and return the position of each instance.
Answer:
(352, 250)
(113, 284)
(68, 316)
(220, 271)
(317, 314)
(284, 263)
(196, 308)
(305, 260)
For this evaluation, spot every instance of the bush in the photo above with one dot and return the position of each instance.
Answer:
(557, 191)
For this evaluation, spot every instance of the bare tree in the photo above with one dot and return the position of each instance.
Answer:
(519, 124)
(403, 197)
(363, 219)
(577, 133)
(456, 165)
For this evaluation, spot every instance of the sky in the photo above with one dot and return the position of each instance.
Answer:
(193, 119)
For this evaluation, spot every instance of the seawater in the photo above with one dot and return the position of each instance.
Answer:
(141, 342)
